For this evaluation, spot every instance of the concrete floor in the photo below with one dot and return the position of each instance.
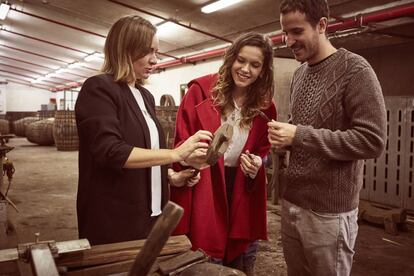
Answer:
(44, 189)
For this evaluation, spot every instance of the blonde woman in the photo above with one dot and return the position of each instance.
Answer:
(122, 177)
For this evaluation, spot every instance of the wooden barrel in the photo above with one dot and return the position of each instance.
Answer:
(167, 100)
(41, 132)
(13, 116)
(44, 114)
(65, 132)
(166, 114)
(4, 126)
(21, 124)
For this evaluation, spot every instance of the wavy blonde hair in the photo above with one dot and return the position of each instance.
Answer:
(129, 39)
(260, 93)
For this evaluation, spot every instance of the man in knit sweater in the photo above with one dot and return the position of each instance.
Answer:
(338, 119)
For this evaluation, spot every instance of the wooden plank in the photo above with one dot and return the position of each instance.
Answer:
(189, 257)
(116, 252)
(276, 183)
(24, 268)
(9, 268)
(387, 217)
(165, 224)
(43, 263)
(12, 254)
(113, 268)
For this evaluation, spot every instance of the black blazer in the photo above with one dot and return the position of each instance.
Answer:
(113, 203)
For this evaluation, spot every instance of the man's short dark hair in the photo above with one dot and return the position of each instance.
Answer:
(313, 9)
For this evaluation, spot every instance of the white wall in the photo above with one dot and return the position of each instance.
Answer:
(3, 89)
(168, 82)
(25, 98)
(393, 66)
(283, 72)
(67, 98)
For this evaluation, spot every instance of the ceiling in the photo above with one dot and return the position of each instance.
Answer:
(38, 37)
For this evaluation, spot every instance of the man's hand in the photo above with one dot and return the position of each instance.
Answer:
(281, 134)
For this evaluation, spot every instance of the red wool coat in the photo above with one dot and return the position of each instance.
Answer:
(218, 229)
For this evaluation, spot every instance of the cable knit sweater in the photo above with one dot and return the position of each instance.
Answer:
(338, 108)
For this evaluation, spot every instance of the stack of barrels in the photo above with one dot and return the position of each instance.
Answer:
(166, 114)
(41, 132)
(13, 116)
(4, 126)
(20, 125)
(65, 132)
(60, 130)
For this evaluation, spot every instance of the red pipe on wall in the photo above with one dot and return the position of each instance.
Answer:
(168, 19)
(192, 58)
(57, 22)
(43, 56)
(26, 76)
(51, 43)
(73, 27)
(28, 84)
(45, 41)
(31, 71)
(378, 16)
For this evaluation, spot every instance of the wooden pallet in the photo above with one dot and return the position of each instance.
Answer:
(390, 218)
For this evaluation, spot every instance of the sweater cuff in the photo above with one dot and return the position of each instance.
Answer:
(299, 136)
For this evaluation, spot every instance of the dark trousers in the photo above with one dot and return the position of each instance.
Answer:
(245, 262)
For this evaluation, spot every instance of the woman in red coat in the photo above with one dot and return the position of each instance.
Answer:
(225, 213)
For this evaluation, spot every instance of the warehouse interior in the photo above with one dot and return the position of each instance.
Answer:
(48, 48)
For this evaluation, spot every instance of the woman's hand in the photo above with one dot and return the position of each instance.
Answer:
(250, 164)
(193, 147)
(183, 178)
(197, 159)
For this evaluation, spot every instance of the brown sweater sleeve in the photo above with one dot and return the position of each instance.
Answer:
(365, 133)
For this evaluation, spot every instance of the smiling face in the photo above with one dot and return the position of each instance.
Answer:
(247, 66)
(144, 66)
(301, 37)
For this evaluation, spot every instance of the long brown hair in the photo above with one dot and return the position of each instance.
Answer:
(260, 93)
(129, 39)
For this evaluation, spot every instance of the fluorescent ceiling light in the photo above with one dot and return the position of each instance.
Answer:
(50, 75)
(165, 28)
(218, 5)
(38, 80)
(60, 71)
(4, 9)
(75, 64)
(93, 56)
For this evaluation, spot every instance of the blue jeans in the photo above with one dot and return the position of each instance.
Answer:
(318, 243)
